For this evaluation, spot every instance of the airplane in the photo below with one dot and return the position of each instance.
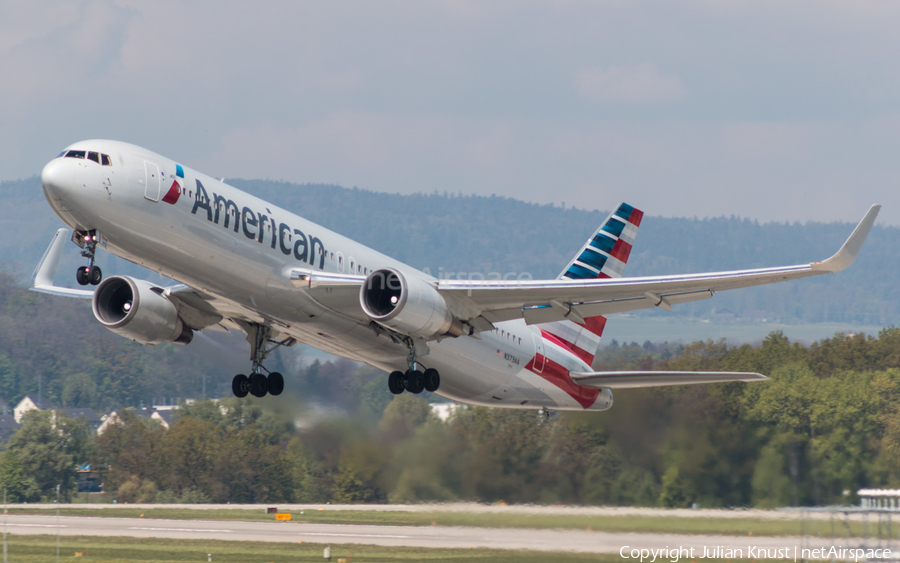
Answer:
(244, 264)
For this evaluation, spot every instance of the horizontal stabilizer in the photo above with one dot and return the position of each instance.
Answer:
(635, 379)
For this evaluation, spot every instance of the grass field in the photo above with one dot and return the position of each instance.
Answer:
(126, 550)
(642, 524)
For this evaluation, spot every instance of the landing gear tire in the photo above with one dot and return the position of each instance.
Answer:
(94, 275)
(81, 275)
(415, 381)
(258, 385)
(240, 385)
(396, 382)
(275, 383)
(432, 380)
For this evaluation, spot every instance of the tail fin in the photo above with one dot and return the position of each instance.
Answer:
(603, 256)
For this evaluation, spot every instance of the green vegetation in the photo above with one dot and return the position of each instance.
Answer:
(625, 523)
(826, 425)
(26, 549)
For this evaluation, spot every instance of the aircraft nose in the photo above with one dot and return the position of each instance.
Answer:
(57, 178)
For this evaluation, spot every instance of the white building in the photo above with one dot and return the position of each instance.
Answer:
(27, 404)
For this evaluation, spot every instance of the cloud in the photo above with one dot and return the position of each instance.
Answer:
(640, 84)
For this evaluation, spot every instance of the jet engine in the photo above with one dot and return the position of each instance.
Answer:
(138, 310)
(407, 304)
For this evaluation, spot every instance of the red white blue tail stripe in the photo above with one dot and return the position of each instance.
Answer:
(605, 254)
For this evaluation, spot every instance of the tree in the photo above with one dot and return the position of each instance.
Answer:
(403, 416)
(130, 447)
(79, 391)
(48, 447)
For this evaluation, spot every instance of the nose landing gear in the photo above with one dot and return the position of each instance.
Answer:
(257, 383)
(87, 240)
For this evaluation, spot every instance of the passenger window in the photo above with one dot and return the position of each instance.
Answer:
(105, 160)
(75, 154)
(94, 156)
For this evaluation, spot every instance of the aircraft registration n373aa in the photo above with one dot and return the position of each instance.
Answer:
(246, 264)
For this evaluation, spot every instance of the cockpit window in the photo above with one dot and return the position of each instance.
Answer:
(104, 158)
(94, 156)
(61, 154)
(75, 154)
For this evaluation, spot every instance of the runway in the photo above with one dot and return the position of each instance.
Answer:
(476, 508)
(580, 541)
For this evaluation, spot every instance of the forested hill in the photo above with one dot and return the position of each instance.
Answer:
(479, 235)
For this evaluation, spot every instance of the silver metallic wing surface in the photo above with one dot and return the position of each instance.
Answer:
(44, 272)
(635, 379)
(540, 301)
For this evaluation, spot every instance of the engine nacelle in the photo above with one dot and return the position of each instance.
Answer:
(137, 310)
(407, 304)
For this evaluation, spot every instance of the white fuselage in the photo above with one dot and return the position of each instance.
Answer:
(241, 249)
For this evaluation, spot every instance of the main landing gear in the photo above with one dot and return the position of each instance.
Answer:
(413, 380)
(89, 274)
(257, 383)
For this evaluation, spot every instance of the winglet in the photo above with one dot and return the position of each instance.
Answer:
(848, 253)
(42, 278)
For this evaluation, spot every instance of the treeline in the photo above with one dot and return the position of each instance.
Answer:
(827, 424)
(53, 347)
(451, 234)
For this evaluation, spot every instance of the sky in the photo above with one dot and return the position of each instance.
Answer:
(776, 110)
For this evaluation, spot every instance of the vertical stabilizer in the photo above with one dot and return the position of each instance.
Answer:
(604, 255)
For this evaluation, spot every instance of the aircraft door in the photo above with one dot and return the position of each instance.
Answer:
(538, 353)
(152, 181)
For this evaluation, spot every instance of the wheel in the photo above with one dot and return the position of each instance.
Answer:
(415, 381)
(258, 385)
(94, 275)
(275, 383)
(240, 385)
(81, 275)
(432, 380)
(395, 382)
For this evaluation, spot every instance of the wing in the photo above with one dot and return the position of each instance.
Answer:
(197, 309)
(539, 301)
(480, 303)
(635, 379)
(42, 278)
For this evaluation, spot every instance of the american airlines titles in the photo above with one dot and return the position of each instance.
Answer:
(253, 224)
